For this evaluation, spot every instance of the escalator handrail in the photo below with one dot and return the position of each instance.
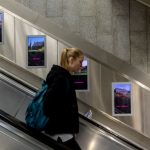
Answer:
(33, 133)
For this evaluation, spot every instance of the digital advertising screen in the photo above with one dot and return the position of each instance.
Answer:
(36, 47)
(81, 78)
(1, 26)
(122, 98)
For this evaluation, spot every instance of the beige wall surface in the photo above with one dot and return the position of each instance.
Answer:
(21, 32)
(14, 46)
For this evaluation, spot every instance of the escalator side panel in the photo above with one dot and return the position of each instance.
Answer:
(8, 142)
(11, 99)
(88, 138)
(13, 139)
(91, 139)
(21, 112)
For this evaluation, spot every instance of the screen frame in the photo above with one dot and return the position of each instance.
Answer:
(45, 50)
(131, 99)
(2, 33)
(85, 90)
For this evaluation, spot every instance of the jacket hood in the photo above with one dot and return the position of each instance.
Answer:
(57, 71)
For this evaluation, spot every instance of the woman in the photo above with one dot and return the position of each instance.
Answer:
(61, 102)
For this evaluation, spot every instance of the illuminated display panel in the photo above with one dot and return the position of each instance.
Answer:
(1, 26)
(36, 47)
(81, 78)
(121, 98)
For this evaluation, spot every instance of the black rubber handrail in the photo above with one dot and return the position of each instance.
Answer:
(33, 133)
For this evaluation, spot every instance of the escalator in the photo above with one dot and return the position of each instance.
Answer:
(14, 99)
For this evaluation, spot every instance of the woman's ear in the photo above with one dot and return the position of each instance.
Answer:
(71, 60)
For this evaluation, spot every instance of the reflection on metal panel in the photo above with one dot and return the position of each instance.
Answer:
(91, 138)
(13, 139)
(12, 95)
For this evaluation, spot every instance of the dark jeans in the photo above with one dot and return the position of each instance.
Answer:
(72, 144)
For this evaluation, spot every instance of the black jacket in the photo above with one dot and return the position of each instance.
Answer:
(60, 102)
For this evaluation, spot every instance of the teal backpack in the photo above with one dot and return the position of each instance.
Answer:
(34, 115)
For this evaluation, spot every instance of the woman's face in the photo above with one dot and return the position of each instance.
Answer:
(75, 64)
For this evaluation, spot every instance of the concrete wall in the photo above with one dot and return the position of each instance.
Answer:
(120, 27)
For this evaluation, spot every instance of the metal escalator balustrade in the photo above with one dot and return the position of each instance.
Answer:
(13, 139)
(52, 144)
(115, 136)
(45, 139)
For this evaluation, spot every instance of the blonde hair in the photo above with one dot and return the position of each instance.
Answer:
(67, 53)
